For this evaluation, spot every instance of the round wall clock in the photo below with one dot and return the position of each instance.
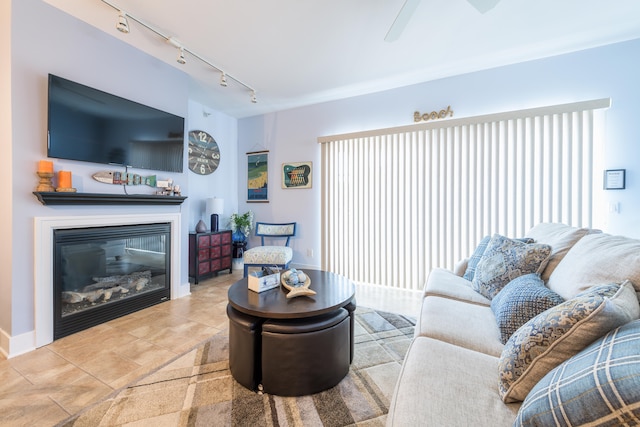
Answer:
(204, 154)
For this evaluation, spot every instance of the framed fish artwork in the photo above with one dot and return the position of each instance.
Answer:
(296, 175)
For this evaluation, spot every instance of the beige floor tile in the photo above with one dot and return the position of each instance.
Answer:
(81, 393)
(47, 385)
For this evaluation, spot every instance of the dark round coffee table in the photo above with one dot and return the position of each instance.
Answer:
(292, 346)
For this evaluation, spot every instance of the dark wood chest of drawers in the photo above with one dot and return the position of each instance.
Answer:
(209, 253)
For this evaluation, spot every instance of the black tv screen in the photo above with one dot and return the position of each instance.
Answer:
(90, 125)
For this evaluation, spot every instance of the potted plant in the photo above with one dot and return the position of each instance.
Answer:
(241, 225)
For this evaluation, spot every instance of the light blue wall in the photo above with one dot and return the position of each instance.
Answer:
(45, 40)
(221, 183)
(604, 72)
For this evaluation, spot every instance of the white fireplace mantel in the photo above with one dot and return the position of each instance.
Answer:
(44, 240)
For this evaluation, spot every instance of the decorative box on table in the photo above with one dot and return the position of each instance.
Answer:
(260, 281)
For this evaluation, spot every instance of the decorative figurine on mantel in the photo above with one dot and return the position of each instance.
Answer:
(64, 182)
(45, 172)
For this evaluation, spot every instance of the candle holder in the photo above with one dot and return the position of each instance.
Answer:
(66, 190)
(45, 183)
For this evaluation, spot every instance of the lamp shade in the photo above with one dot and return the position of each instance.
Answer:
(218, 206)
(215, 207)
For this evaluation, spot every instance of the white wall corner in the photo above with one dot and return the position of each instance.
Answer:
(15, 346)
(184, 290)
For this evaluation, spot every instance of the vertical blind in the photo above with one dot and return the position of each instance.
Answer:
(398, 202)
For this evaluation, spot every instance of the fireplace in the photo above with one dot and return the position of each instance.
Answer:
(126, 248)
(101, 273)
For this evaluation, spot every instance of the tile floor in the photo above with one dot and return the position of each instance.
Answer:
(45, 386)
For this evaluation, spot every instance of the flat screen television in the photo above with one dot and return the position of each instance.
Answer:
(90, 125)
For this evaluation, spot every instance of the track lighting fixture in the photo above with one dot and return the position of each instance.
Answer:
(181, 59)
(123, 26)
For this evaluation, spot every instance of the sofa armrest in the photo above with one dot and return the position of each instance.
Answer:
(460, 267)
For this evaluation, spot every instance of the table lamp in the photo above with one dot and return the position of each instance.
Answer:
(215, 208)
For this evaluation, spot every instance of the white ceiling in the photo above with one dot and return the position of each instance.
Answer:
(301, 52)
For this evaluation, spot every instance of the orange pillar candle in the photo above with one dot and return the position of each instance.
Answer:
(64, 179)
(45, 166)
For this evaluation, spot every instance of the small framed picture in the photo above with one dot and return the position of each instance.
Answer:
(257, 170)
(614, 179)
(296, 175)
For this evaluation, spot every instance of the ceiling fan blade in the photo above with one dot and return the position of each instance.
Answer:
(401, 21)
(483, 5)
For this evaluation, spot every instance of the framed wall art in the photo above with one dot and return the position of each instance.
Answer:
(257, 176)
(297, 175)
(614, 179)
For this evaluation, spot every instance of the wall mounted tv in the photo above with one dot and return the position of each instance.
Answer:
(90, 125)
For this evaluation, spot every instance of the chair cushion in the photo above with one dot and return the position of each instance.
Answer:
(275, 255)
(598, 386)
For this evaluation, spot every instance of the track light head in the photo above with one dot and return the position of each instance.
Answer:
(181, 59)
(123, 23)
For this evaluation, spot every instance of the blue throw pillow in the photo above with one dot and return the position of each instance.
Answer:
(598, 386)
(474, 259)
(504, 260)
(521, 300)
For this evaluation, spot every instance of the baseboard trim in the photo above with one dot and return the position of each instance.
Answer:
(15, 346)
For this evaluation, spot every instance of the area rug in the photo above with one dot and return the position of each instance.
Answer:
(197, 389)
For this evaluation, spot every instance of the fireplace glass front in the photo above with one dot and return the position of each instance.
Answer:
(101, 273)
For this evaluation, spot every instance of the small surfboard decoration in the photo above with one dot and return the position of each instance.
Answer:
(119, 178)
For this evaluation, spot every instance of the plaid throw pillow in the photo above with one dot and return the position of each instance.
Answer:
(598, 386)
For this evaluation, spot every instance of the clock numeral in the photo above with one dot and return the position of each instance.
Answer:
(202, 169)
(202, 136)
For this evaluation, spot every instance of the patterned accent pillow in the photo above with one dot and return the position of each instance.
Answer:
(522, 299)
(472, 264)
(598, 386)
(559, 333)
(504, 260)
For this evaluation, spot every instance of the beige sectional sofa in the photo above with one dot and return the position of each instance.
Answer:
(463, 369)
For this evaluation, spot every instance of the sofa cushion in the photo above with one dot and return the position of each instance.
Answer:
(460, 323)
(522, 299)
(595, 259)
(504, 260)
(560, 332)
(561, 238)
(444, 283)
(444, 385)
(598, 386)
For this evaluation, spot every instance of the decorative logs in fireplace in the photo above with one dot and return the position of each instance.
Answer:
(105, 287)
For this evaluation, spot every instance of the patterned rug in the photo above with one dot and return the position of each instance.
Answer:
(197, 389)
